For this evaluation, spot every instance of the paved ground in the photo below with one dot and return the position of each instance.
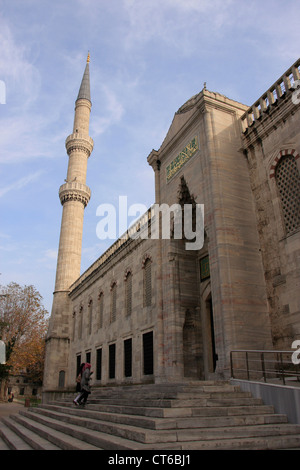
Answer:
(7, 408)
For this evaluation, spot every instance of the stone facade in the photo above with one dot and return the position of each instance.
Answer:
(271, 141)
(149, 309)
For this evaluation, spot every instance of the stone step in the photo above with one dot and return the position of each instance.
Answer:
(3, 445)
(87, 438)
(184, 417)
(35, 441)
(180, 430)
(162, 388)
(126, 431)
(55, 437)
(291, 442)
(216, 400)
(255, 431)
(250, 406)
(172, 392)
(232, 410)
(178, 422)
(11, 439)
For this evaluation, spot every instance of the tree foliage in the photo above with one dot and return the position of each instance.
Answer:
(23, 326)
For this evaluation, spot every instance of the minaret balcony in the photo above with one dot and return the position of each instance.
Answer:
(74, 191)
(79, 142)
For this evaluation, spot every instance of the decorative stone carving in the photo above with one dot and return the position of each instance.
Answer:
(78, 142)
(74, 192)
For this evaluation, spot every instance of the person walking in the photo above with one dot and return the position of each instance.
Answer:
(78, 383)
(85, 385)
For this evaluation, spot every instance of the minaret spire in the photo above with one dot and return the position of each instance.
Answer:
(84, 91)
(74, 195)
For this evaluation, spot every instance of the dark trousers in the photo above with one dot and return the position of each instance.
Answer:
(83, 396)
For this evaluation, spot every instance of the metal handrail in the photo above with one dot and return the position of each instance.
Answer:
(268, 365)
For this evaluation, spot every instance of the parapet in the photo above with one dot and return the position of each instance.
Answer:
(272, 97)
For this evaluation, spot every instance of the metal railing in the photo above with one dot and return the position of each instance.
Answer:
(264, 365)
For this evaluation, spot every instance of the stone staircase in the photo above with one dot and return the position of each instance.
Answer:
(206, 415)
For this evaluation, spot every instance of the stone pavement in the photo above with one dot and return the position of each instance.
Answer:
(7, 409)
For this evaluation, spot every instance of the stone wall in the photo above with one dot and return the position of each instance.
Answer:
(272, 136)
(91, 333)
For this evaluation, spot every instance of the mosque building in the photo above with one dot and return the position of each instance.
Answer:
(161, 309)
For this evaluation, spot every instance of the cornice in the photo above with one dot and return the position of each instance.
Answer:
(102, 265)
(74, 191)
(79, 142)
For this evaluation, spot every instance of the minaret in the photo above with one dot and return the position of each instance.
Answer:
(74, 195)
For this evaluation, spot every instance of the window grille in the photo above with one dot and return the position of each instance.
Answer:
(288, 182)
(74, 325)
(61, 379)
(147, 284)
(100, 311)
(80, 323)
(99, 364)
(78, 364)
(128, 294)
(148, 353)
(113, 302)
(112, 361)
(128, 357)
(90, 316)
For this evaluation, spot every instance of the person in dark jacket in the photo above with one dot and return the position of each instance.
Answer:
(85, 385)
(78, 384)
(78, 379)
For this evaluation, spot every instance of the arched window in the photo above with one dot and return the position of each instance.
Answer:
(288, 183)
(113, 302)
(147, 283)
(128, 293)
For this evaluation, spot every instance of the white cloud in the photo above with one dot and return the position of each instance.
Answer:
(112, 111)
(52, 254)
(20, 75)
(176, 22)
(23, 137)
(21, 124)
(48, 259)
(20, 183)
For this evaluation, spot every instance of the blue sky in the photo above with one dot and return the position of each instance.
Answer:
(147, 58)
